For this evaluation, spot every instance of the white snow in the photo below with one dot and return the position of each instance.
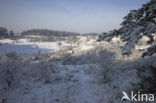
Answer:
(25, 46)
(52, 81)
(72, 83)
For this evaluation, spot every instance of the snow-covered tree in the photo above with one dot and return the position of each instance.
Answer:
(135, 25)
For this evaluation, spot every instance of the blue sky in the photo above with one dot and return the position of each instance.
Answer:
(81, 16)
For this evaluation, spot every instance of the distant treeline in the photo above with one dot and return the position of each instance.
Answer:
(46, 32)
(91, 34)
(4, 33)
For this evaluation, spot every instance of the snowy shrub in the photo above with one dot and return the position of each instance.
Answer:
(148, 79)
(68, 59)
(67, 48)
(94, 76)
(45, 73)
(59, 44)
(73, 39)
(12, 55)
(147, 73)
(106, 60)
(8, 72)
(37, 56)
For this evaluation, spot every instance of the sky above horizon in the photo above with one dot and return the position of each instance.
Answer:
(83, 16)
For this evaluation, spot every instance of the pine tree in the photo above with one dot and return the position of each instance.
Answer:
(3, 32)
(135, 25)
(11, 34)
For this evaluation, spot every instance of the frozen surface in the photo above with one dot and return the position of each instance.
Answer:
(24, 46)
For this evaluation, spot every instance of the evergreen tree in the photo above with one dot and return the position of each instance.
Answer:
(3, 32)
(11, 34)
(46, 32)
(135, 25)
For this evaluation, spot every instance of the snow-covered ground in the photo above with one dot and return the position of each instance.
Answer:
(94, 76)
(54, 82)
(26, 46)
